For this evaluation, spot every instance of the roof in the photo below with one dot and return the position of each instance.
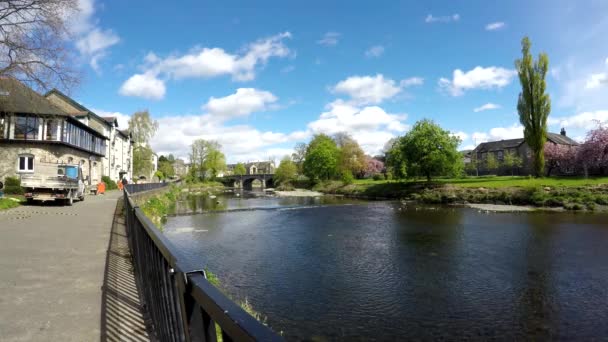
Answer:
(16, 97)
(560, 139)
(499, 145)
(80, 109)
(111, 120)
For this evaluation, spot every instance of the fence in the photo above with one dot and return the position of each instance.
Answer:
(181, 303)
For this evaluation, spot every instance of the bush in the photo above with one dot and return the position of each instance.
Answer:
(12, 186)
(377, 177)
(110, 184)
(347, 177)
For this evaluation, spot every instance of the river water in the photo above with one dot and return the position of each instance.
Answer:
(335, 269)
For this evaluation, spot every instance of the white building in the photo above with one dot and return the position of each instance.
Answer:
(117, 161)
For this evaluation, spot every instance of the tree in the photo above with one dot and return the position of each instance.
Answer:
(166, 168)
(352, 157)
(472, 167)
(491, 162)
(429, 150)
(512, 161)
(206, 159)
(533, 105)
(395, 160)
(286, 172)
(239, 170)
(142, 161)
(321, 159)
(594, 151)
(142, 127)
(299, 154)
(33, 44)
(373, 166)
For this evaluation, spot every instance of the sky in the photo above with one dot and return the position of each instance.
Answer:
(261, 76)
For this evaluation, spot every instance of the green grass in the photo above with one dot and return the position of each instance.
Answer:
(502, 181)
(6, 203)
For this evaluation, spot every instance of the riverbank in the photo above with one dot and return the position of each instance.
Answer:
(298, 193)
(568, 193)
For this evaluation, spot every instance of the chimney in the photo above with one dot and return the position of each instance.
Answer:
(563, 132)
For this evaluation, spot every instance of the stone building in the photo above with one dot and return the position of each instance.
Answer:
(33, 130)
(117, 159)
(253, 168)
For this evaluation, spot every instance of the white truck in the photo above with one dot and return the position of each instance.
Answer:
(54, 182)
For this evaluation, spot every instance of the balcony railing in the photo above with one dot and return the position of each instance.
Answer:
(181, 303)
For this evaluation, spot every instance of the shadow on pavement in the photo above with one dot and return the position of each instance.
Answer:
(121, 313)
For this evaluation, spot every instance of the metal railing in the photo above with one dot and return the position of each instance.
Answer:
(181, 303)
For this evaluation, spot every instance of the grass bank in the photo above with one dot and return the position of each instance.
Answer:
(158, 205)
(568, 192)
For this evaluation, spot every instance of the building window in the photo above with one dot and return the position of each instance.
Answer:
(26, 127)
(26, 163)
(52, 126)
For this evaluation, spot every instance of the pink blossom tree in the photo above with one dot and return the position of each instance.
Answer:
(593, 153)
(373, 166)
(560, 157)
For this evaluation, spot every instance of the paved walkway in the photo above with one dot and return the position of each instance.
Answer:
(65, 274)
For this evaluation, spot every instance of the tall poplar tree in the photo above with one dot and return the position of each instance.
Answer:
(533, 104)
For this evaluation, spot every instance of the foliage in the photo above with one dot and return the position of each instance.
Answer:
(430, 151)
(142, 127)
(142, 161)
(351, 157)
(347, 177)
(206, 159)
(110, 184)
(160, 175)
(321, 159)
(491, 163)
(533, 104)
(298, 155)
(12, 185)
(395, 160)
(286, 172)
(166, 167)
(239, 169)
(7, 203)
(373, 167)
(472, 167)
(560, 157)
(33, 42)
(512, 161)
(594, 151)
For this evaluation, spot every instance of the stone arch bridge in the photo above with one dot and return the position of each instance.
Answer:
(246, 181)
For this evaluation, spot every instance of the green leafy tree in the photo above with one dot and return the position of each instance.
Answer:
(395, 160)
(215, 162)
(321, 159)
(491, 162)
(166, 168)
(206, 159)
(533, 105)
(286, 172)
(142, 161)
(142, 127)
(512, 161)
(430, 151)
(472, 167)
(239, 169)
(352, 158)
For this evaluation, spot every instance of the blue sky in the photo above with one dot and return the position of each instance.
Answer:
(261, 77)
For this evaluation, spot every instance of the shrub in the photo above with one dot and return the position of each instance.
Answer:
(347, 177)
(377, 177)
(12, 186)
(110, 184)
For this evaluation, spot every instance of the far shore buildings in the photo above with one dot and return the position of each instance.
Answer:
(253, 168)
(56, 129)
(516, 146)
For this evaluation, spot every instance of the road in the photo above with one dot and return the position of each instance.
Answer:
(52, 266)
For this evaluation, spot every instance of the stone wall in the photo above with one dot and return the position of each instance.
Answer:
(51, 153)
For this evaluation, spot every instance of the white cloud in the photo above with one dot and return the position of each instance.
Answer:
(91, 41)
(144, 85)
(596, 80)
(499, 133)
(213, 62)
(460, 134)
(242, 103)
(495, 26)
(374, 51)
(442, 19)
(412, 81)
(477, 78)
(584, 120)
(367, 89)
(371, 126)
(487, 106)
(330, 39)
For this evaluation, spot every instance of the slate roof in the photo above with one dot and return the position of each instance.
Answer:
(111, 120)
(16, 97)
(514, 143)
(80, 109)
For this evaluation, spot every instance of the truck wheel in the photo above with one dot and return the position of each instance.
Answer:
(70, 199)
(81, 198)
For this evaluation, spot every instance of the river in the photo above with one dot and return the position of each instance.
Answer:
(335, 269)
